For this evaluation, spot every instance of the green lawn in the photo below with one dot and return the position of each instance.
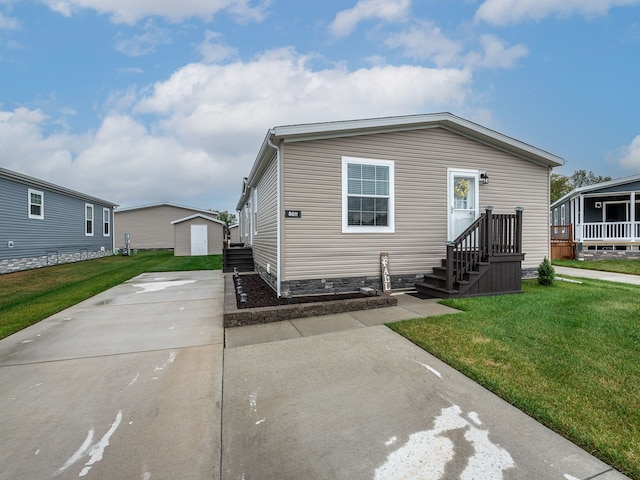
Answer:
(568, 355)
(620, 266)
(29, 296)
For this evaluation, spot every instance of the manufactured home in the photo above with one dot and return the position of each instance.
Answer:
(323, 203)
(44, 224)
(600, 220)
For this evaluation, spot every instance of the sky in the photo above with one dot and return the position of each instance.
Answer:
(148, 101)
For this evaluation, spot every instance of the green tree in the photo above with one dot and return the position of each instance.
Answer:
(562, 184)
(546, 273)
(228, 218)
(581, 178)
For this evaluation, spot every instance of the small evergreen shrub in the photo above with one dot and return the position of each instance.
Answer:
(546, 272)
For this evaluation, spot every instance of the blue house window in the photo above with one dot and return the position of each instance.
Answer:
(36, 204)
(88, 219)
(106, 222)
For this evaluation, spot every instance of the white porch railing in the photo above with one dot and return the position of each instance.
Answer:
(627, 231)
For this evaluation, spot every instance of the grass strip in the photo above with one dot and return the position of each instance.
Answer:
(629, 265)
(567, 355)
(30, 296)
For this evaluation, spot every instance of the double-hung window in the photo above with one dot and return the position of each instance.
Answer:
(88, 219)
(36, 204)
(106, 222)
(367, 196)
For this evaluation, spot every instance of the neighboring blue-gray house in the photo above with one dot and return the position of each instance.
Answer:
(44, 224)
(603, 219)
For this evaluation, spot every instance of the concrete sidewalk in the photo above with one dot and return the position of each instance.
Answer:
(346, 397)
(597, 275)
(408, 307)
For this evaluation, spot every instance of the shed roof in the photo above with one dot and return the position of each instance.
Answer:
(448, 121)
(198, 215)
(35, 182)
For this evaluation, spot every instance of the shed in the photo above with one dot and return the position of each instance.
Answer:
(198, 234)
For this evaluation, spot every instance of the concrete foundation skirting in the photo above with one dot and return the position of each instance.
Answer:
(235, 317)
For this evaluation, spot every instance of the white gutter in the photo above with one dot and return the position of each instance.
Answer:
(278, 216)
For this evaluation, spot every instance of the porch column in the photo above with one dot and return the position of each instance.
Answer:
(572, 220)
(581, 218)
(632, 212)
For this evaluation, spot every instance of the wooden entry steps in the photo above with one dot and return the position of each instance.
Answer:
(486, 259)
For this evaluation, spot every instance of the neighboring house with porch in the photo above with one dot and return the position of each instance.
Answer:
(149, 226)
(324, 201)
(44, 224)
(601, 219)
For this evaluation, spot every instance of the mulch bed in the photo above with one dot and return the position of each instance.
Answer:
(259, 294)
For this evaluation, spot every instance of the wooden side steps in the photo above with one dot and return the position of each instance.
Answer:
(435, 283)
(238, 257)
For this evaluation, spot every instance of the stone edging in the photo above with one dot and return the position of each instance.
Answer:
(235, 317)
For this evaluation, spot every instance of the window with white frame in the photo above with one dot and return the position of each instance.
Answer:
(555, 216)
(106, 222)
(615, 211)
(563, 220)
(88, 219)
(36, 204)
(254, 205)
(367, 195)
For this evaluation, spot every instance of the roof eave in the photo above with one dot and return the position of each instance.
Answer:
(32, 181)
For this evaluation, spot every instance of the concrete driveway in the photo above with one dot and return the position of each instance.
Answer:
(368, 404)
(125, 385)
(129, 385)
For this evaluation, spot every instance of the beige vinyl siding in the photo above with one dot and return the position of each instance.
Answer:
(182, 236)
(265, 238)
(314, 245)
(149, 227)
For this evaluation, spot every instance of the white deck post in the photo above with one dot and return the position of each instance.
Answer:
(581, 216)
(632, 213)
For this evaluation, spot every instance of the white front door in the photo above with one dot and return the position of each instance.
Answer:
(199, 240)
(462, 200)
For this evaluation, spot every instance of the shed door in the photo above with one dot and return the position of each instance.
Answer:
(463, 200)
(199, 240)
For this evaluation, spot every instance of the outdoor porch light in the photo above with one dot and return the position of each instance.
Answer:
(485, 178)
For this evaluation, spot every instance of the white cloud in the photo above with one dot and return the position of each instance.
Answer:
(630, 155)
(207, 121)
(144, 43)
(424, 41)
(217, 106)
(213, 50)
(8, 23)
(508, 12)
(495, 54)
(386, 10)
(130, 11)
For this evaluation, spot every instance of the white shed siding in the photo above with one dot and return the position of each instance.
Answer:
(265, 237)
(314, 245)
